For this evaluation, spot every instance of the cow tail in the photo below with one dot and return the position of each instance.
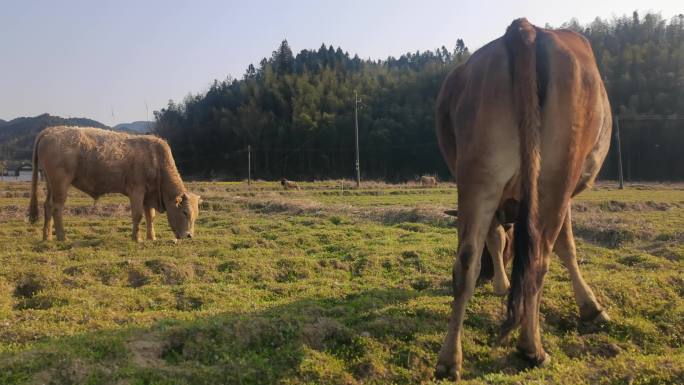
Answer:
(33, 204)
(520, 40)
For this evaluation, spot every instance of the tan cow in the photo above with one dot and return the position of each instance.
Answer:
(525, 122)
(100, 162)
(428, 181)
(289, 185)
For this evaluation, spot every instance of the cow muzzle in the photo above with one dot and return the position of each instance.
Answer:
(187, 235)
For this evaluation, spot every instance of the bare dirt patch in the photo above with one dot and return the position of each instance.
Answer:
(171, 273)
(145, 351)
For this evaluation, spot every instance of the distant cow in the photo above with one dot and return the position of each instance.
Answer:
(289, 185)
(100, 162)
(428, 181)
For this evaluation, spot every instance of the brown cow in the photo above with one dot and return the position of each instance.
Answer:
(527, 113)
(289, 185)
(100, 162)
(428, 181)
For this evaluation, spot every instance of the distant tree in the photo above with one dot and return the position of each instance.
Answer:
(461, 50)
(251, 72)
(283, 59)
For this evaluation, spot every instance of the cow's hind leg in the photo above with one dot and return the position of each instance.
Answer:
(59, 195)
(589, 308)
(496, 242)
(137, 209)
(530, 344)
(552, 209)
(477, 205)
(47, 212)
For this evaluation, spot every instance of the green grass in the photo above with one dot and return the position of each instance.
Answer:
(324, 285)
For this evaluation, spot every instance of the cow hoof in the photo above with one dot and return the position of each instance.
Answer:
(534, 360)
(545, 362)
(601, 318)
(597, 318)
(595, 323)
(447, 372)
(501, 290)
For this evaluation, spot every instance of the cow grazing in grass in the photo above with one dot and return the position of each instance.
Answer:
(289, 185)
(525, 122)
(428, 181)
(100, 162)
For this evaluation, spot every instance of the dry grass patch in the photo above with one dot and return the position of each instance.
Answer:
(395, 215)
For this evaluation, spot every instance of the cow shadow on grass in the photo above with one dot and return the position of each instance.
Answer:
(377, 336)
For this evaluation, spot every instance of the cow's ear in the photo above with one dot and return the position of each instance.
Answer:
(179, 200)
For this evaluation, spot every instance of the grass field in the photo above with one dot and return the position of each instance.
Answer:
(324, 285)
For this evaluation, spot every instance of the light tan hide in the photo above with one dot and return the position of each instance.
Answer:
(289, 185)
(100, 162)
(428, 181)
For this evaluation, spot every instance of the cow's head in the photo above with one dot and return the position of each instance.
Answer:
(182, 215)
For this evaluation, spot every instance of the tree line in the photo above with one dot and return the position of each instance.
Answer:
(297, 111)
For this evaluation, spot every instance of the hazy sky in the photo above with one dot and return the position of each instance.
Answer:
(89, 58)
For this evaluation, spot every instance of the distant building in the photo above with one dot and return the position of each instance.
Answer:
(15, 170)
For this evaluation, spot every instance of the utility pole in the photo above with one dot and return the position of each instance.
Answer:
(147, 116)
(619, 152)
(356, 135)
(249, 164)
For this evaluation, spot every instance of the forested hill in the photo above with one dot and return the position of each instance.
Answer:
(297, 111)
(17, 135)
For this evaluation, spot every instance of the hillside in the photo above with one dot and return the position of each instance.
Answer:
(137, 127)
(17, 135)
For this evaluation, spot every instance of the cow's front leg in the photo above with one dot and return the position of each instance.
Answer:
(47, 225)
(496, 243)
(149, 222)
(136, 214)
